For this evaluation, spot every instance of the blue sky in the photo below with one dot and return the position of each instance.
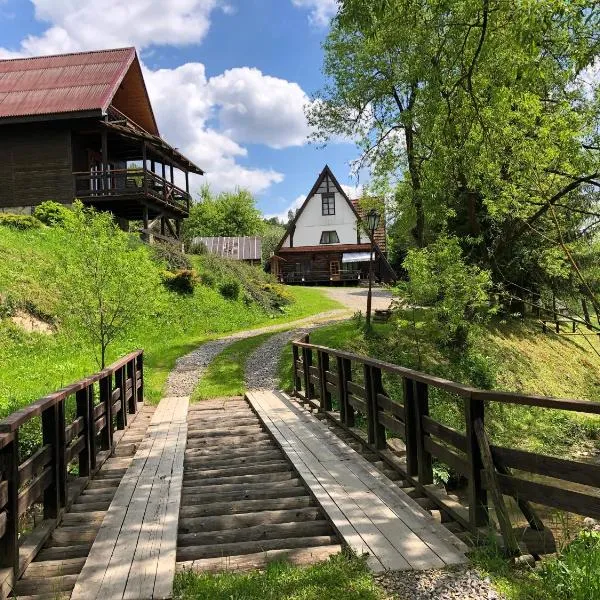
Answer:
(228, 79)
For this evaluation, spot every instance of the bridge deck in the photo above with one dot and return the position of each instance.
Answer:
(370, 513)
(133, 555)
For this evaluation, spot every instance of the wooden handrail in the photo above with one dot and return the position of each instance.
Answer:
(42, 477)
(486, 467)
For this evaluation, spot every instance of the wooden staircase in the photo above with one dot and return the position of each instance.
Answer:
(54, 571)
(242, 503)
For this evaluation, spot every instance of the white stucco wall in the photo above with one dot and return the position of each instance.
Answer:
(311, 223)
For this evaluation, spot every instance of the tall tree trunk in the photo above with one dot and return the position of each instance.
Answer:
(413, 169)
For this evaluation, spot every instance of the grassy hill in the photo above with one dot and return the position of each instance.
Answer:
(39, 353)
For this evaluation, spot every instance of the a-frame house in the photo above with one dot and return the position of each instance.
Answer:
(81, 126)
(327, 241)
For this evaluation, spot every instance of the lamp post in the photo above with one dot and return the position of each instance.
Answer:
(372, 224)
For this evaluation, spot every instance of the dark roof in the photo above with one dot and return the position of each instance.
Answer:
(236, 248)
(73, 84)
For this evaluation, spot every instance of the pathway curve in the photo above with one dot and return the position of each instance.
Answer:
(188, 369)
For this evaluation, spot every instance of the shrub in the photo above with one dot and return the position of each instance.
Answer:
(208, 279)
(171, 256)
(182, 281)
(230, 289)
(197, 248)
(20, 222)
(52, 213)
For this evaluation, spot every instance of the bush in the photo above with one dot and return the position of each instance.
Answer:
(52, 213)
(171, 256)
(20, 222)
(230, 289)
(197, 248)
(182, 281)
(208, 279)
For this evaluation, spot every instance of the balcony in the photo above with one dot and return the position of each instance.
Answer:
(126, 189)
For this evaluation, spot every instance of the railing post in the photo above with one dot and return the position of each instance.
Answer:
(373, 386)
(347, 376)
(50, 431)
(477, 495)
(9, 542)
(410, 427)
(307, 360)
(91, 431)
(323, 365)
(106, 436)
(120, 384)
(131, 374)
(297, 380)
(424, 465)
(83, 411)
(140, 369)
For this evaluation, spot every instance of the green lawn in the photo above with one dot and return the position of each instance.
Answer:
(339, 578)
(224, 377)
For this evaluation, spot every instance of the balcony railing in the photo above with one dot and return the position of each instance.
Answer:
(128, 183)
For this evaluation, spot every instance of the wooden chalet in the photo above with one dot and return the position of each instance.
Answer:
(82, 126)
(327, 242)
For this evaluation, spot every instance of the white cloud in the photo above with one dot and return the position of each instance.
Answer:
(87, 24)
(353, 191)
(283, 215)
(256, 108)
(321, 11)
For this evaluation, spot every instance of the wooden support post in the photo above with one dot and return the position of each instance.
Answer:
(172, 175)
(178, 228)
(424, 463)
(50, 437)
(91, 431)
(325, 394)
(346, 377)
(104, 159)
(162, 226)
(307, 360)
(140, 369)
(131, 374)
(9, 542)
(297, 380)
(121, 416)
(477, 496)
(373, 386)
(410, 428)
(106, 436)
(81, 399)
(187, 182)
(146, 234)
(342, 391)
(164, 181)
(510, 542)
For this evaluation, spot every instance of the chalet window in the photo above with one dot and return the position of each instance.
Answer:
(330, 237)
(328, 204)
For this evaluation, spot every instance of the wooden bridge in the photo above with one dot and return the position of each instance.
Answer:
(117, 496)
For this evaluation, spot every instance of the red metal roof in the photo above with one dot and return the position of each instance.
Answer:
(81, 82)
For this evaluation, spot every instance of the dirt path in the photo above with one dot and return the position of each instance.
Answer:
(188, 370)
(355, 298)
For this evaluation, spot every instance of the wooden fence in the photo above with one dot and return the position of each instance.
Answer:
(48, 451)
(357, 384)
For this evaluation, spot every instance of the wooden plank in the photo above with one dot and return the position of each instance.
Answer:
(458, 463)
(445, 433)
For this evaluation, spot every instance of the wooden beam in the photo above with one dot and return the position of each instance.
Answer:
(187, 182)
(104, 159)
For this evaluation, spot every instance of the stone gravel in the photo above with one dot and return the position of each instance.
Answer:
(442, 584)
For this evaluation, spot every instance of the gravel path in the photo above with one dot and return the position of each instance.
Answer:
(188, 370)
(443, 584)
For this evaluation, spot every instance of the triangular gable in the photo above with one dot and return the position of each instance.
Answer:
(326, 172)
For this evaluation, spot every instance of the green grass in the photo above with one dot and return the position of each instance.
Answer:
(34, 364)
(338, 578)
(224, 377)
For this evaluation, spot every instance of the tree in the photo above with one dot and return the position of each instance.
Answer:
(223, 214)
(105, 280)
(482, 118)
(272, 234)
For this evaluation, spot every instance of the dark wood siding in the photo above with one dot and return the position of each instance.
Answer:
(35, 165)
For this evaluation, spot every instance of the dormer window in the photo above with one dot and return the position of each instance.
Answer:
(330, 237)
(328, 204)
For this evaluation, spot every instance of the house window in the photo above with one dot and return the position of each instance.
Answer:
(330, 237)
(328, 204)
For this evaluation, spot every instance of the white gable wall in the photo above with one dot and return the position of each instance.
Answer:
(311, 223)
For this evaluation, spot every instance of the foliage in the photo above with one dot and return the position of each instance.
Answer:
(106, 284)
(271, 236)
(20, 222)
(170, 256)
(230, 289)
(223, 214)
(480, 119)
(339, 577)
(456, 293)
(197, 248)
(52, 213)
(225, 376)
(183, 281)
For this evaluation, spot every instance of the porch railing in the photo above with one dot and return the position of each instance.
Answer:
(119, 183)
(346, 386)
(49, 449)
(322, 275)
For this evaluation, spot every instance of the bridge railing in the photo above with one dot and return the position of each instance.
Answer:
(49, 449)
(353, 385)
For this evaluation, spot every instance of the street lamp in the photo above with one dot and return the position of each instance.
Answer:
(372, 224)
